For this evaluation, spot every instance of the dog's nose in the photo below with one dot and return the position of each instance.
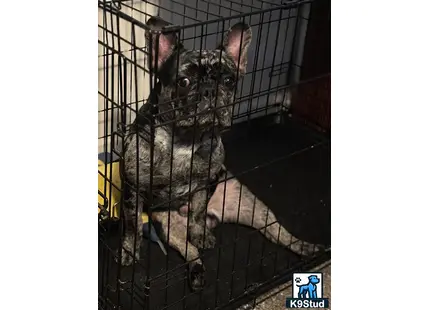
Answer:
(208, 92)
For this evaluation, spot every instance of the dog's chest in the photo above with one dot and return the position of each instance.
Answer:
(182, 160)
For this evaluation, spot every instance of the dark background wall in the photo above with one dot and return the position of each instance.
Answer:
(312, 99)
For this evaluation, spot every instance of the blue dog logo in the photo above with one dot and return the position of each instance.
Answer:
(309, 290)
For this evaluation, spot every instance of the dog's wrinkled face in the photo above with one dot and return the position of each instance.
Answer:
(198, 86)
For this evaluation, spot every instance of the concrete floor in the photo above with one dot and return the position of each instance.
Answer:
(275, 299)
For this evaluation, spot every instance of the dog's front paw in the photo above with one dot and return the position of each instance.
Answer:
(127, 257)
(196, 275)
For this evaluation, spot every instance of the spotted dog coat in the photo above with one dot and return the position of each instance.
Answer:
(190, 105)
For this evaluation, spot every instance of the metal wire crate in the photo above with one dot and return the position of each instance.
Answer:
(243, 263)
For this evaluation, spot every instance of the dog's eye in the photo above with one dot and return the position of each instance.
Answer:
(184, 82)
(228, 81)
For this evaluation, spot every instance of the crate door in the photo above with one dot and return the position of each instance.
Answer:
(117, 33)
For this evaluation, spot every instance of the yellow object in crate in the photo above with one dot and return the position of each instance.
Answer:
(109, 202)
(107, 183)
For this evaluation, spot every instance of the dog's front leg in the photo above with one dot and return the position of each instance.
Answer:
(175, 235)
(240, 206)
(200, 235)
(130, 244)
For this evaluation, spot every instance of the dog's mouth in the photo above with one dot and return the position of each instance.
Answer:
(208, 116)
(205, 119)
(202, 114)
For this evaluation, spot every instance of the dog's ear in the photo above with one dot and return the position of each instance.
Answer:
(166, 41)
(236, 44)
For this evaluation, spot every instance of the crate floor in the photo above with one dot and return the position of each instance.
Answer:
(295, 185)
